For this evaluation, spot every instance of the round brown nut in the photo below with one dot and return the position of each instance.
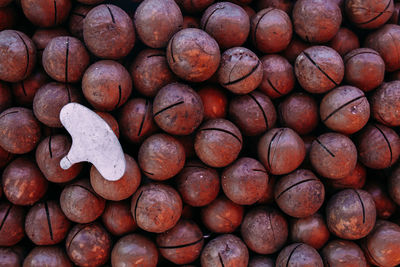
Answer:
(134, 248)
(12, 227)
(80, 203)
(299, 254)
(378, 146)
(381, 245)
(46, 13)
(218, 142)
(385, 102)
(343, 253)
(193, 55)
(118, 219)
(385, 207)
(278, 76)
(214, 100)
(244, 181)
(156, 21)
(88, 245)
(345, 109)
(261, 261)
(344, 41)
(65, 59)
(281, 150)
(161, 157)
(316, 21)
(120, 189)
(299, 111)
(253, 113)
(12, 256)
(299, 194)
(264, 230)
(150, 72)
(240, 70)
(222, 215)
(356, 179)
(50, 99)
(319, 69)
(24, 91)
(394, 185)
(385, 41)
(295, 47)
(369, 14)
(42, 37)
(310, 230)
(225, 250)
(198, 184)
(17, 57)
(222, 19)
(177, 109)
(193, 6)
(333, 155)
(23, 183)
(364, 69)
(351, 214)
(108, 32)
(5, 97)
(76, 18)
(51, 256)
(156, 207)
(182, 244)
(107, 85)
(46, 224)
(271, 30)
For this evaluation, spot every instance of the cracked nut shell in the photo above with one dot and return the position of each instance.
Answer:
(385, 102)
(369, 14)
(12, 226)
(117, 218)
(299, 254)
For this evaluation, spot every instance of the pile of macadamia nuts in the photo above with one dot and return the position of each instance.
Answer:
(255, 132)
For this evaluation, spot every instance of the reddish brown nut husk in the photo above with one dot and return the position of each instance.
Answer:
(343, 253)
(12, 227)
(51, 256)
(385, 103)
(369, 14)
(299, 253)
(344, 41)
(46, 13)
(118, 219)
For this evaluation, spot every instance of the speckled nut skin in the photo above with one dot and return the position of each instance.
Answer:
(161, 157)
(385, 207)
(381, 245)
(16, 63)
(310, 230)
(222, 215)
(244, 181)
(134, 248)
(5, 97)
(88, 245)
(50, 99)
(198, 184)
(299, 111)
(47, 13)
(271, 30)
(218, 142)
(23, 183)
(52, 256)
(261, 261)
(345, 109)
(333, 155)
(385, 41)
(65, 59)
(76, 18)
(215, 101)
(298, 254)
(117, 190)
(295, 47)
(356, 179)
(351, 214)
(394, 185)
(25, 90)
(118, 219)
(12, 228)
(225, 250)
(344, 41)
(240, 70)
(264, 230)
(319, 69)
(156, 21)
(150, 72)
(177, 109)
(193, 55)
(369, 14)
(278, 76)
(253, 113)
(107, 85)
(80, 203)
(316, 21)
(46, 224)
(182, 244)
(281, 150)
(108, 32)
(299, 194)
(343, 253)
(378, 146)
(364, 69)
(227, 23)
(385, 102)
